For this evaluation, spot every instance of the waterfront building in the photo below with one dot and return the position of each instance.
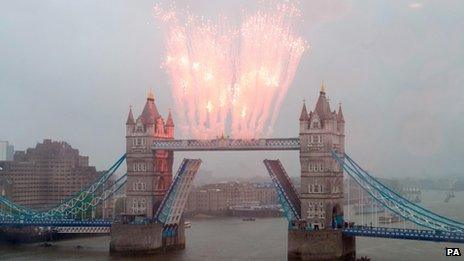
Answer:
(219, 197)
(43, 176)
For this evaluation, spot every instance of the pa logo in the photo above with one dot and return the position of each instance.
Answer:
(453, 251)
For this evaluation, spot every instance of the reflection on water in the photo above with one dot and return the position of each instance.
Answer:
(234, 239)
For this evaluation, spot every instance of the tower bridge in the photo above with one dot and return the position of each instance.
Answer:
(318, 226)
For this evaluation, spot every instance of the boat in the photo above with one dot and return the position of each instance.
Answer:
(248, 219)
(187, 224)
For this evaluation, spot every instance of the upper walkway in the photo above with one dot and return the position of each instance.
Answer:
(225, 144)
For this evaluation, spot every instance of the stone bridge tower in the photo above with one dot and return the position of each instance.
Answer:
(319, 235)
(149, 173)
(321, 132)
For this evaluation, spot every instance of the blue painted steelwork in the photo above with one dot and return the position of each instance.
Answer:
(288, 196)
(164, 209)
(10, 221)
(228, 144)
(404, 201)
(68, 208)
(14, 208)
(99, 197)
(176, 195)
(54, 223)
(411, 234)
(396, 203)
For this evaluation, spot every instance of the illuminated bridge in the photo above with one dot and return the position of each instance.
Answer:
(62, 218)
(325, 169)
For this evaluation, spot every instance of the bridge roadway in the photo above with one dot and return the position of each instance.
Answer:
(62, 226)
(55, 223)
(65, 226)
(226, 144)
(404, 233)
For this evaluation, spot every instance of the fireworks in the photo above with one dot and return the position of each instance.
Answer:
(231, 79)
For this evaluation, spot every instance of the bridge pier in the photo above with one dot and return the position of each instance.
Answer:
(136, 239)
(320, 245)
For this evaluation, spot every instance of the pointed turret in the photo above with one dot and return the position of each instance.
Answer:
(322, 105)
(340, 117)
(170, 121)
(169, 126)
(304, 113)
(150, 112)
(130, 117)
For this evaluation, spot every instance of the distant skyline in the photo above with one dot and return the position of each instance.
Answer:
(70, 70)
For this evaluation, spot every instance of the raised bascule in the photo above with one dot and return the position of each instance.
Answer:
(318, 228)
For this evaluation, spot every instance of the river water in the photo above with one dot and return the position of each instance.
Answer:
(234, 239)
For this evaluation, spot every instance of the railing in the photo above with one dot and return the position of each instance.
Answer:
(411, 234)
(394, 202)
(54, 223)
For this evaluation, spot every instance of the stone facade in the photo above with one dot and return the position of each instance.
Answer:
(320, 245)
(321, 132)
(144, 239)
(149, 173)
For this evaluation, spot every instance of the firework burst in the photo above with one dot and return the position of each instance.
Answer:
(231, 79)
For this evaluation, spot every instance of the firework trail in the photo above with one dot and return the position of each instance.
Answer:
(227, 79)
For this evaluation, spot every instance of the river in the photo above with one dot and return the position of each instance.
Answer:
(234, 239)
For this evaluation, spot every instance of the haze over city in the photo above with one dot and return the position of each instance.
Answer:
(69, 71)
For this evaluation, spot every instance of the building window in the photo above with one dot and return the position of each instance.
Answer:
(139, 186)
(139, 142)
(140, 127)
(316, 210)
(139, 206)
(315, 139)
(139, 166)
(315, 188)
(316, 166)
(315, 124)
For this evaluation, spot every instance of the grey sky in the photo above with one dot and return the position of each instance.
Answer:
(70, 69)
